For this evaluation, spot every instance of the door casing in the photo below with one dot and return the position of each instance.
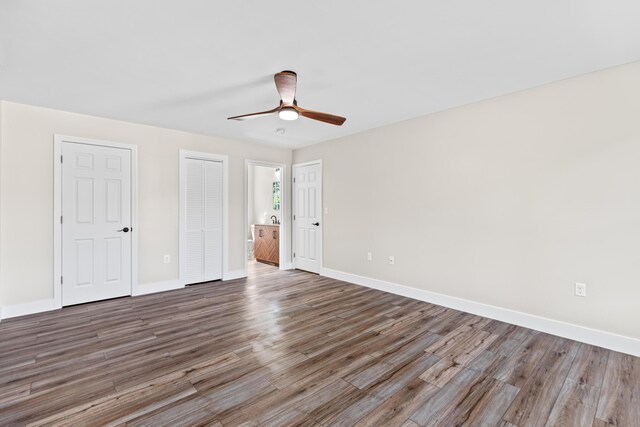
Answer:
(58, 141)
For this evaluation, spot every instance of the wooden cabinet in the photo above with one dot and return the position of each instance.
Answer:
(266, 246)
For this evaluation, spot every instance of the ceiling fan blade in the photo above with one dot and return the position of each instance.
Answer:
(252, 115)
(286, 82)
(323, 117)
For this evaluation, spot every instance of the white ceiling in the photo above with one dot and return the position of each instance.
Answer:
(189, 64)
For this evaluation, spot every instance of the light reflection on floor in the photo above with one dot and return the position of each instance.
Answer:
(266, 311)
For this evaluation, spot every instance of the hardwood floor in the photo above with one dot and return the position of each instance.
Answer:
(292, 348)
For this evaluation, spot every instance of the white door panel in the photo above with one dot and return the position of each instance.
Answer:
(307, 216)
(96, 203)
(194, 176)
(212, 221)
(113, 271)
(193, 257)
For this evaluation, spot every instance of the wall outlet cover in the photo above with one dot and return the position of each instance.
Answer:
(581, 290)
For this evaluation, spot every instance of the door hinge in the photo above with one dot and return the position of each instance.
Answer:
(60, 219)
(61, 280)
(294, 254)
(294, 217)
(294, 180)
(61, 158)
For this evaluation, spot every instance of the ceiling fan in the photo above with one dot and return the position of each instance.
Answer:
(288, 109)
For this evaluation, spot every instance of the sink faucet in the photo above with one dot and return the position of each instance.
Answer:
(274, 219)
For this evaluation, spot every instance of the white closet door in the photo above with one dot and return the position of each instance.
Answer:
(203, 220)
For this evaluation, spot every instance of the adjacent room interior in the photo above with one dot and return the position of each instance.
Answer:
(264, 214)
(319, 213)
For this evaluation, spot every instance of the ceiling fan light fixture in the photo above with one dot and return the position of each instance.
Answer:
(288, 109)
(288, 113)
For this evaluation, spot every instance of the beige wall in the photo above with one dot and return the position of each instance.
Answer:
(26, 188)
(508, 202)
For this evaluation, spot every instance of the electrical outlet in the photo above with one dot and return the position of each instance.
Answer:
(326, 210)
(369, 256)
(581, 290)
(167, 259)
(392, 259)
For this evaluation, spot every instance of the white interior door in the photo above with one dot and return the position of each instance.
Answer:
(202, 220)
(96, 223)
(307, 214)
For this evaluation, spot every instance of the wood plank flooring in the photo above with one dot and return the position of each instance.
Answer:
(291, 348)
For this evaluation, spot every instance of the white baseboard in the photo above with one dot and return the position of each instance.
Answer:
(153, 287)
(555, 327)
(286, 266)
(235, 274)
(32, 307)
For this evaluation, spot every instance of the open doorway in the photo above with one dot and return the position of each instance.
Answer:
(265, 217)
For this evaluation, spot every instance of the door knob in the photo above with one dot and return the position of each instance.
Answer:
(315, 223)
(124, 230)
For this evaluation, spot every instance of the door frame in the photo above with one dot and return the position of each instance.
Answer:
(293, 210)
(58, 141)
(284, 217)
(224, 159)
